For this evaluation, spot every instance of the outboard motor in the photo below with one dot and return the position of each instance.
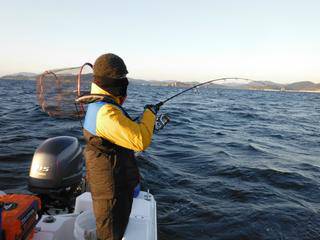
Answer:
(56, 172)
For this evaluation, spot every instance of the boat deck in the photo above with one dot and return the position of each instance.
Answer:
(142, 223)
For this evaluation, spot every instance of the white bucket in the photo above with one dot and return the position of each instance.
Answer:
(85, 226)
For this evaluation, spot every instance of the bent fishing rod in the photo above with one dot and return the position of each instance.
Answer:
(198, 85)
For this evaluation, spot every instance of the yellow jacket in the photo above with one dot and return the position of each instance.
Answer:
(114, 126)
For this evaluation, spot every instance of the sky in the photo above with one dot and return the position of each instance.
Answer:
(185, 40)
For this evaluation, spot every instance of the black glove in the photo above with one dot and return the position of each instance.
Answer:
(153, 108)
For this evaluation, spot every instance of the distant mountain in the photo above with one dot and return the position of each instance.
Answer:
(138, 81)
(170, 83)
(263, 85)
(28, 74)
(306, 85)
(21, 76)
(272, 86)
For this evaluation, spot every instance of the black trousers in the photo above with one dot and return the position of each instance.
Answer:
(111, 202)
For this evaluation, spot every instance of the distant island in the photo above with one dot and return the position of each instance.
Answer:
(20, 76)
(303, 86)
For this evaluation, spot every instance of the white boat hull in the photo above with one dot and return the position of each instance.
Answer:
(142, 223)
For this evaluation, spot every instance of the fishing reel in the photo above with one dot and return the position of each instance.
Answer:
(161, 121)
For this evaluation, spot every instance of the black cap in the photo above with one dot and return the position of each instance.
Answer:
(110, 65)
(109, 72)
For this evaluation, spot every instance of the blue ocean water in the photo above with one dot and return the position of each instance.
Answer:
(231, 164)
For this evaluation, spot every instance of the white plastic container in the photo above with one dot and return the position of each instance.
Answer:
(85, 226)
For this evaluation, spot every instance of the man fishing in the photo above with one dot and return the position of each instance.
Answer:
(111, 139)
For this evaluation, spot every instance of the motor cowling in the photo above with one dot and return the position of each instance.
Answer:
(56, 171)
(56, 163)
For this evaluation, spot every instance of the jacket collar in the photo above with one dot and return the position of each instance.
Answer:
(95, 89)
